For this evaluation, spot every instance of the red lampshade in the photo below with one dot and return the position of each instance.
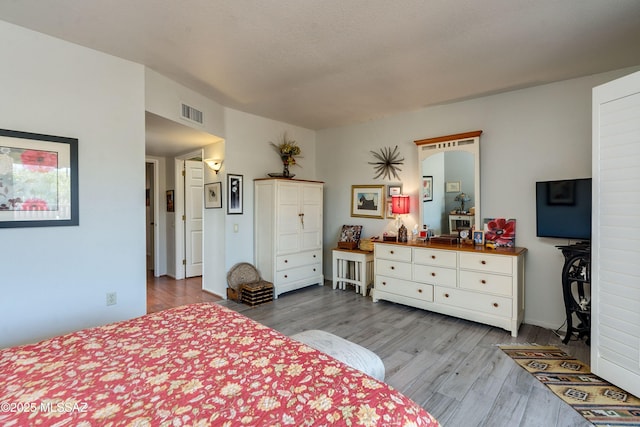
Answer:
(400, 204)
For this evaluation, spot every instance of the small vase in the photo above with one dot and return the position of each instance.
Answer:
(285, 163)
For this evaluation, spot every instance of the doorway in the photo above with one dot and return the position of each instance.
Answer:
(151, 217)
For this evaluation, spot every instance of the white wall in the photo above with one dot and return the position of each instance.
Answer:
(249, 153)
(163, 97)
(55, 279)
(529, 135)
(214, 276)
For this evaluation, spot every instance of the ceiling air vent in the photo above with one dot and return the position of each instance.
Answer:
(191, 114)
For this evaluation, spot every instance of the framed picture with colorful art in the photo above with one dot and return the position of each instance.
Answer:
(38, 180)
(500, 232)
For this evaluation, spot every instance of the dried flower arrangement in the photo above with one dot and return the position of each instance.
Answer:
(287, 149)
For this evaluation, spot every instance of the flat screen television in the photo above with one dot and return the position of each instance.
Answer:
(563, 209)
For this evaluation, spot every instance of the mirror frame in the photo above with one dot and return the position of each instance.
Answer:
(468, 141)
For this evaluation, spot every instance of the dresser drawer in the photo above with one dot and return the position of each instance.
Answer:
(434, 275)
(482, 262)
(406, 288)
(298, 259)
(484, 303)
(393, 252)
(485, 282)
(291, 275)
(401, 270)
(435, 257)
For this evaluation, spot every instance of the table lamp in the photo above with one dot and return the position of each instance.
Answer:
(400, 206)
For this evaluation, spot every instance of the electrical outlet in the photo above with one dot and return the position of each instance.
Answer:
(112, 298)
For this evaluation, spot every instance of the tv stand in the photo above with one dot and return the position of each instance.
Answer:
(576, 289)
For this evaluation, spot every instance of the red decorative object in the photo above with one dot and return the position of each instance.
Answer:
(39, 161)
(500, 231)
(400, 204)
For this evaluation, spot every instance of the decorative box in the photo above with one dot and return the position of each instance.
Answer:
(347, 245)
(256, 293)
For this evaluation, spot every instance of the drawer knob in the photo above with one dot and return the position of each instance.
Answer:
(314, 255)
(384, 283)
(286, 261)
(285, 276)
(483, 262)
(484, 282)
(420, 291)
(433, 257)
(433, 274)
(393, 267)
(391, 252)
(495, 304)
(446, 295)
(314, 269)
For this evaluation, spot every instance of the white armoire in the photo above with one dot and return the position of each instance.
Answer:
(288, 232)
(615, 244)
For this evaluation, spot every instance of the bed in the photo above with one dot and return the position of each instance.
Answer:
(200, 364)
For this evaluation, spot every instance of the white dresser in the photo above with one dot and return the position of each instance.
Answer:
(485, 286)
(288, 232)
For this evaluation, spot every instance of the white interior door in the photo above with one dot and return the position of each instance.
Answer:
(615, 251)
(193, 185)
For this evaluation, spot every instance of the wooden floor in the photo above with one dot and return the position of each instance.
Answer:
(164, 292)
(451, 367)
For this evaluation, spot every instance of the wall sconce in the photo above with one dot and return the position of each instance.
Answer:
(400, 206)
(213, 164)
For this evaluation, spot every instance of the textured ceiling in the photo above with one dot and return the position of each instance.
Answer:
(327, 63)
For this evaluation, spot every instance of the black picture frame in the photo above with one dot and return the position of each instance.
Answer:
(43, 169)
(427, 188)
(234, 194)
(213, 195)
(170, 201)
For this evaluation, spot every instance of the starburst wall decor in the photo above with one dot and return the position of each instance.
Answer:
(388, 162)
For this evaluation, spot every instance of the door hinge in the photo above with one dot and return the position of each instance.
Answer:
(184, 217)
(183, 172)
(184, 262)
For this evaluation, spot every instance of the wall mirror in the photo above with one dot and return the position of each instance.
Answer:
(450, 182)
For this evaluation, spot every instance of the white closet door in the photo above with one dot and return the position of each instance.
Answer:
(615, 252)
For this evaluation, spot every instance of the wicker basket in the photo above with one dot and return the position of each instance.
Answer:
(366, 245)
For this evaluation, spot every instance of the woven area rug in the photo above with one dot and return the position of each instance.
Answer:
(599, 402)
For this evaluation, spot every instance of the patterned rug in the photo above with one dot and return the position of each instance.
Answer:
(599, 402)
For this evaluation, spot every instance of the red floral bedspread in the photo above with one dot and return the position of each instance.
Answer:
(195, 365)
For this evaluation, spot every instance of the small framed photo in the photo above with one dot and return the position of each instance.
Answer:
(427, 188)
(234, 194)
(390, 209)
(212, 195)
(170, 205)
(394, 190)
(452, 187)
(478, 237)
(367, 201)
